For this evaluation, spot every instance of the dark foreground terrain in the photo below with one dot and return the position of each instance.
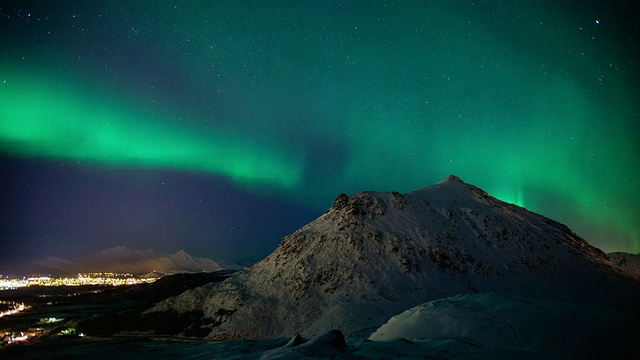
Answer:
(70, 312)
(471, 326)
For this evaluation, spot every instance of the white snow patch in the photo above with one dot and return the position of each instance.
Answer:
(500, 321)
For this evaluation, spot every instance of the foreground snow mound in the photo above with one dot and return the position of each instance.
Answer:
(501, 321)
(373, 255)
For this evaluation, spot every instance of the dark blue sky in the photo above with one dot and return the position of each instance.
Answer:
(64, 209)
(220, 127)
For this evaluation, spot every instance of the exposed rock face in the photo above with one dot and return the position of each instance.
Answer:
(629, 262)
(373, 255)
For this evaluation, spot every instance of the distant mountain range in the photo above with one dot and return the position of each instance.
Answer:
(123, 260)
(374, 255)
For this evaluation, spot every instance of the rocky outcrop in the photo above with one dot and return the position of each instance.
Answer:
(629, 262)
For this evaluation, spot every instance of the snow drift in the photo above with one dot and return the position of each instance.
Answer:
(502, 321)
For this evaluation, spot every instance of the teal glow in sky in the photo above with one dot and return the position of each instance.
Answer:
(535, 102)
(51, 121)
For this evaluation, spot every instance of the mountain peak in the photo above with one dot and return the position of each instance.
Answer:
(373, 254)
(182, 253)
(451, 178)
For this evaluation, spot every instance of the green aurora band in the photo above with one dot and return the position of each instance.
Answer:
(537, 105)
(55, 120)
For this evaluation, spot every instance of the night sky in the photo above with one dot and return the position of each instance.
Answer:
(218, 127)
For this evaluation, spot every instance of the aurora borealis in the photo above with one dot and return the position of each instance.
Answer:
(91, 132)
(219, 127)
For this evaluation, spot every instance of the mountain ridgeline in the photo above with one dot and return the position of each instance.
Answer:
(121, 260)
(373, 255)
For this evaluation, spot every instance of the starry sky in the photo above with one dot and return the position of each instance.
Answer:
(218, 127)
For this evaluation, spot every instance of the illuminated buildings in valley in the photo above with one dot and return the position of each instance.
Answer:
(108, 279)
(13, 308)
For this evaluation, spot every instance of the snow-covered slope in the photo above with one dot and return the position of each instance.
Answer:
(374, 255)
(501, 321)
(629, 262)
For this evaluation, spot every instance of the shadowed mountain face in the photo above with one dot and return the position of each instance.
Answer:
(373, 255)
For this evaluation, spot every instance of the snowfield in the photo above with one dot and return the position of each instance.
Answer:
(507, 322)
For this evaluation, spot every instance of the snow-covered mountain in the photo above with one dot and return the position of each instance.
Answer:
(124, 260)
(48, 265)
(373, 255)
(121, 259)
(629, 262)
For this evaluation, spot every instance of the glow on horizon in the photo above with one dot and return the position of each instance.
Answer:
(516, 197)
